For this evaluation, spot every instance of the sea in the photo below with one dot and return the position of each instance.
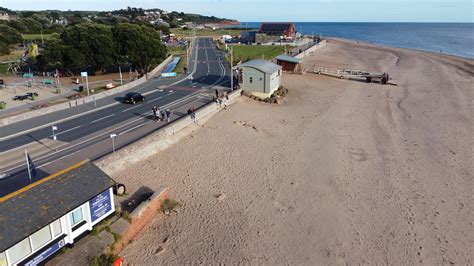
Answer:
(450, 38)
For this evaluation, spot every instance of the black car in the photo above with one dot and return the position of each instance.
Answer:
(133, 97)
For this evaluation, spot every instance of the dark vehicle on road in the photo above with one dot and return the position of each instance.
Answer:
(133, 97)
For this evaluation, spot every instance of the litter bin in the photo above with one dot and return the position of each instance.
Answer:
(81, 88)
(3, 105)
(58, 90)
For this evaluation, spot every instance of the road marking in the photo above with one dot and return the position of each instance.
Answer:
(100, 135)
(105, 117)
(130, 129)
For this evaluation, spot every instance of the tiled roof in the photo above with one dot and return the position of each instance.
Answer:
(24, 212)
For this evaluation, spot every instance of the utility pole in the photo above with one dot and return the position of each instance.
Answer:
(231, 68)
(120, 71)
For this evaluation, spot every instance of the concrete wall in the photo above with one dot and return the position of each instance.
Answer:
(160, 140)
(312, 49)
(84, 100)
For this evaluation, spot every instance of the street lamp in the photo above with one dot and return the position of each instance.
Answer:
(113, 136)
(231, 68)
(54, 129)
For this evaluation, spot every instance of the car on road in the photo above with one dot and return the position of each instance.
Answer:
(133, 97)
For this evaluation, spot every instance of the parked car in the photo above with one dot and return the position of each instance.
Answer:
(133, 97)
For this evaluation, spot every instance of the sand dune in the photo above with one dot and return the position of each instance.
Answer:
(342, 172)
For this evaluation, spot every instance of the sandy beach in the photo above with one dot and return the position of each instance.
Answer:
(343, 172)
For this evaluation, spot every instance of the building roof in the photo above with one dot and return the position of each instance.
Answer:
(262, 65)
(288, 58)
(276, 28)
(31, 208)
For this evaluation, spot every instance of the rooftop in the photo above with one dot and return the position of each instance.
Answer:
(288, 58)
(31, 208)
(262, 65)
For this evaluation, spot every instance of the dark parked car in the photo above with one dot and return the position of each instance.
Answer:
(133, 97)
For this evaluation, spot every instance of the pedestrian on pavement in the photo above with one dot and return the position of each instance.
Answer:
(226, 96)
(217, 93)
(158, 114)
(168, 115)
(185, 70)
(163, 115)
(225, 104)
(154, 112)
(220, 101)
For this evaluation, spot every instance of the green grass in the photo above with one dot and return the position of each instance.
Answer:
(37, 37)
(205, 32)
(248, 52)
(181, 49)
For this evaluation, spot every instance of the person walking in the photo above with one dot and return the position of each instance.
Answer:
(225, 103)
(158, 114)
(168, 115)
(154, 112)
(217, 93)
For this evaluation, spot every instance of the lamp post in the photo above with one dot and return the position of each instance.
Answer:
(113, 136)
(231, 68)
(54, 129)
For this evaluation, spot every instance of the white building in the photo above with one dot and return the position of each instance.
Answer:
(260, 78)
(4, 16)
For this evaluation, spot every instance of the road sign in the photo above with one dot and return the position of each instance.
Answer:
(83, 74)
(54, 127)
(28, 75)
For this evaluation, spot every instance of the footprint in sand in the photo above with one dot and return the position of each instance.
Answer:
(358, 154)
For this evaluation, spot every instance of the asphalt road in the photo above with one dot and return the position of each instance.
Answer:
(84, 133)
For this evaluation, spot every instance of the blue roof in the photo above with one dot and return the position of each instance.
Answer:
(262, 65)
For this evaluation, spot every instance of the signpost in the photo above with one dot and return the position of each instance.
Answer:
(84, 74)
(113, 136)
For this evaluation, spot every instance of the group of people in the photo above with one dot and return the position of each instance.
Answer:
(160, 115)
(221, 99)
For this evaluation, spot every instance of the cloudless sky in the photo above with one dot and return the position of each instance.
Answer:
(282, 10)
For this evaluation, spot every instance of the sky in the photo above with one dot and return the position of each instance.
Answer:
(282, 10)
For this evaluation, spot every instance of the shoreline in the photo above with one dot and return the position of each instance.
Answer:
(354, 41)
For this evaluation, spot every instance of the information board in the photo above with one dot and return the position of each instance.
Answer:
(168, 75)
(100, 205)
(46, 253)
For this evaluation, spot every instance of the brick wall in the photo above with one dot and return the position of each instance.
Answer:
(141, 217)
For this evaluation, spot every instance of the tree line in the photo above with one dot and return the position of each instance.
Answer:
(96, 47)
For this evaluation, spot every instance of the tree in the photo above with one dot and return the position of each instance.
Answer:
(32, 25)
(140, 45)
(9, 35)
(4, 49)
(45, 22)
(94, 42)
(18, 24)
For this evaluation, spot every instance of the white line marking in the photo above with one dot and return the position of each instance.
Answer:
(105, 117)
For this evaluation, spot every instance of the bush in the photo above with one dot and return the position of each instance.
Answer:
(4, 49)
(104, 259)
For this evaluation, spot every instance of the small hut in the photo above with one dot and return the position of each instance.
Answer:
(289, 63)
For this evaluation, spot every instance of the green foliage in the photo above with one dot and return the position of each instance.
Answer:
(45, 22)
(249, 52)
(140, 45)
(91, 45)
(4, 49)
(102, 260)
(32, 25)
(9, 35)
(19, 25)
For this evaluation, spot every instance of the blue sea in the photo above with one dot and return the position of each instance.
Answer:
(450, 38)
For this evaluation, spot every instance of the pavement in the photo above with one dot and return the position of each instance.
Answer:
(84, 131)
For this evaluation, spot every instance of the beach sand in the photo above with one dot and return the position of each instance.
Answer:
(342, 172)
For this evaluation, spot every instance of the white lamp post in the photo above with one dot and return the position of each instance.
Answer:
(113, 136)
(54, 129)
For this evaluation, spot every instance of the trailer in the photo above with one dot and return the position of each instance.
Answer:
(351, 74)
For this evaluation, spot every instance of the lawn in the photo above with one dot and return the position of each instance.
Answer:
(178, 51)
(205, 32)
(37, 37)
(248, 52)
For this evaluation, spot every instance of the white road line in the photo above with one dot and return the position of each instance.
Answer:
(105, 117)
(130, 129)
(95, 109)
(105, 133)
(65, 131)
